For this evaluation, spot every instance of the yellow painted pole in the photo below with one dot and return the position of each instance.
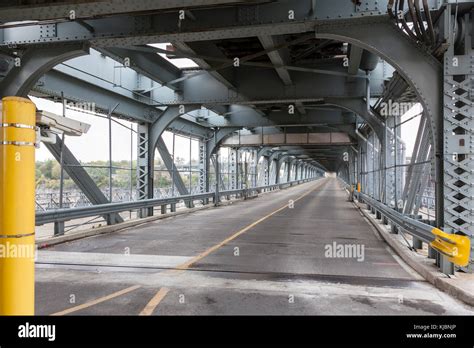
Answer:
(17, 206)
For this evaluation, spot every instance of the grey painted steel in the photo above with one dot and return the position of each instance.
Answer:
(34, 62)
(416, 228)
(224, 77)
(359, 106)
(270, 18)
(458, 137)
(49, 10)
(80, 177)
(203, 167)
(278, 57)
(80, 91)
(169, 163)
(143, 166)
(165, 120)
(149, 64)
(413, 187)
(266, 87)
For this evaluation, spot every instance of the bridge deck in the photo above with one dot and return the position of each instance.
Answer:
(253, 257)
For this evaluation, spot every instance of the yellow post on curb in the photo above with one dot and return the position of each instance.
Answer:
(17, 206)
(455, 247)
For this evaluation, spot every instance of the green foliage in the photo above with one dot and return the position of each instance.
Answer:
(48, 174)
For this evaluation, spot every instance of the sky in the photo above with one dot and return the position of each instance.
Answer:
(410, 128)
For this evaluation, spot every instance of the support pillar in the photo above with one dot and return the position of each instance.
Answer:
(17, 206)
(144, 171)
(458, 154)
(218, 175)
(288, 170)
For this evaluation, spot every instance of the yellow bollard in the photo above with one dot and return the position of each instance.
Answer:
(455, 247)
(17, 206)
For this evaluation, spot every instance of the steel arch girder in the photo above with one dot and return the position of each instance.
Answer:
(419, 68)
(359, 107)
(165, 120)
(34, 63)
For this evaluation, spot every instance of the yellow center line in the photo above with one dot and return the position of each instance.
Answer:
(202, 255)
(97, 301)
(154, 302)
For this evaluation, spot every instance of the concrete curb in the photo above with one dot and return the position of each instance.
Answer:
(438, 279)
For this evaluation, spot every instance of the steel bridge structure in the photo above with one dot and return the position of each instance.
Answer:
(303, 88)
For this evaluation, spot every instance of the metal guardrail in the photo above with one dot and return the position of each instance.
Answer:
(61, 215)
(411, 226)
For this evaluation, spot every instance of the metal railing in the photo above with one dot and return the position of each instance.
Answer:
(62, 215)
(413, 227)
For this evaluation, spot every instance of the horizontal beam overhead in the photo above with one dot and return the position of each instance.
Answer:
(47, 10)
(300, 139)
(149, 64)
(263, 86)
(76, 90)
(271, 18)
(244, 116)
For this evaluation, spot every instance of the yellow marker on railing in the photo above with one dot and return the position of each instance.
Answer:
(455, 247)
(358, 187)
(17, 206)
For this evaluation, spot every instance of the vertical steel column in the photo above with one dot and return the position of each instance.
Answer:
(253, 167)
(59, 225)
(288, 170)
(144, 171)
(110, 158)
(458, 136)
(390, 161)
(266, 172)
(218, 175)
(17, 206)
(233, 168)
(203, 177)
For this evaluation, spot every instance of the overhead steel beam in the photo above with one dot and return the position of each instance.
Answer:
(329, 138)
(263, 86)
(47, 10)
(77, 90)
(244, 116)
(149, 64)
(278, 57)
(209, 49)
(271, 18)
(355, 58)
